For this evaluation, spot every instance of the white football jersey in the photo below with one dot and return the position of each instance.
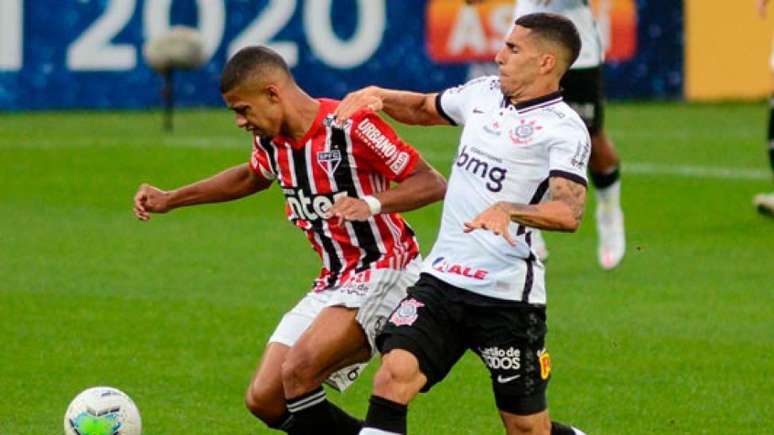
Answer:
(507, 153)
(579, 12)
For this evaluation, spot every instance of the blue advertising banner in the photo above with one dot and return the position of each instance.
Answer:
(655, 69)
(88, 53)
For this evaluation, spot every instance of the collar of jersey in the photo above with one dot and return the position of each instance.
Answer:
(326, 106)
(535, 103)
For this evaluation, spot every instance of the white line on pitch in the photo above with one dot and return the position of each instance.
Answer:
(695, 171)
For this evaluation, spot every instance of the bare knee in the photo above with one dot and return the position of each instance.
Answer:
(603, 154)
(300, 373)
(265, 402)
(536, 424)
(528, 428)
(399, 378)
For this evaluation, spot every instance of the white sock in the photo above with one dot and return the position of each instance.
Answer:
(373, 431)
(610, 196)
(576, 430)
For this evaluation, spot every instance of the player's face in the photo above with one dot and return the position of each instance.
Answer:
(518, 61)
(256, 111)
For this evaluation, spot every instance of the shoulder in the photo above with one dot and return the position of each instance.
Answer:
(558, 126)
(365, 120)
(482, 85)
(369, 129)
(562, 118)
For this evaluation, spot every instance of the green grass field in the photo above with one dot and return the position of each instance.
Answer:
(176, 311)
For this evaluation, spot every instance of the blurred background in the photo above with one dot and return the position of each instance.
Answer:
(87, 53)
(176, 311)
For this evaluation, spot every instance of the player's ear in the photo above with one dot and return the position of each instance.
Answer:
(547, 63)
(273, 93)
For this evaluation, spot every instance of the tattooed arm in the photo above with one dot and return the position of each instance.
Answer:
(562, 213)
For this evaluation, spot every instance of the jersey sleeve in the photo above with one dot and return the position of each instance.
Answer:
(260, 161)
(455, 103)
(568, 155)
(381, 147)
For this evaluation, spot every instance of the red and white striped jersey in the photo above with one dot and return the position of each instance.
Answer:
(358, 159)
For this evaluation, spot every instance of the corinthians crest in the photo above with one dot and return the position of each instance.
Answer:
(329, 161)
(406, 314)
(523, 132)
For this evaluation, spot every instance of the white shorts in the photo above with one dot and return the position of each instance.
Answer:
(374, 292)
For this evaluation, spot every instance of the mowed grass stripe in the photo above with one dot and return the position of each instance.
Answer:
(176, 311)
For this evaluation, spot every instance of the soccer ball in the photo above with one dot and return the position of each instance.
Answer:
(102, 411)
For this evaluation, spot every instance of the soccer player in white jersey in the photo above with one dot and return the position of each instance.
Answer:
(521, 164)
(336, 181)
(582, 88)
(764, 202)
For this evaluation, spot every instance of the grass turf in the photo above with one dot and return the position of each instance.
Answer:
(176, 311)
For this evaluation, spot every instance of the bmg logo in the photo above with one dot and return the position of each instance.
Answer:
(494, 175)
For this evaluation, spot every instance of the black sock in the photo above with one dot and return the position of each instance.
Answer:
(313, 414)
(285, 423)
(344, 423)
(386, 415)
(560, 429)
(602, 180)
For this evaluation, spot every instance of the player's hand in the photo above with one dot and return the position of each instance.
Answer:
(150, 199)
(349, 209)
(495, 219)
(762, 7)
(354, 101)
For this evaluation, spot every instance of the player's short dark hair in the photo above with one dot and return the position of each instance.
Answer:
(251, 63)
(554, 28)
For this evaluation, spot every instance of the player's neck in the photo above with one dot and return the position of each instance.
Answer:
(301, 112)
(537, 90)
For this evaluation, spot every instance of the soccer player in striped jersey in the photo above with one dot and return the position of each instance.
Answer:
(520, 164)
(764, 202)
(337, 184)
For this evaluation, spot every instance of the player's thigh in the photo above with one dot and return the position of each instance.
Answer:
(399, 377)
(386, 289)
(509, 337)
(334, 340)
(533, 424)
(296, 321)
(427, 325)
(343, 332)
(266, 383)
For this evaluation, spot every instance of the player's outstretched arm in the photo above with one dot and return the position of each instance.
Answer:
(405, 107)
(233, 183)
(423, 186)
(562, 213)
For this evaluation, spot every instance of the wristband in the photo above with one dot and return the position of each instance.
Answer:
(373, 204)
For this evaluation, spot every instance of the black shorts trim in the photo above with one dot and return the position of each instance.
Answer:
(521, 405)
